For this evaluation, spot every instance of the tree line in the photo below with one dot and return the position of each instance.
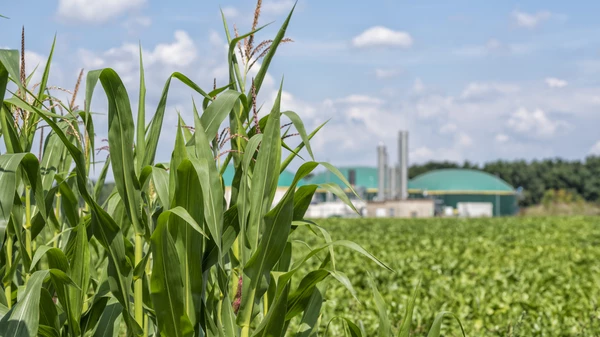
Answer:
(580, 177)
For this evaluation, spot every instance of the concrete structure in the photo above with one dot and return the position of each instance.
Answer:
(409, 208)
(449, 187)
(475, 209)
(335, 209)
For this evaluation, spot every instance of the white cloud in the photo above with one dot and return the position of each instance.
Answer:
(534, 123)
(94, 11)
(136, 22)
(478, 90)
(421, 154)
(449, 128)
(493, 47)
(418, 86)
(382, 73)
(595, 150)
(230, 12)
(359, 99)
(181, 52)
(380, 36)
(277, 7)
(530, 20)
(463, 139)
(501, 138)
(554, 82)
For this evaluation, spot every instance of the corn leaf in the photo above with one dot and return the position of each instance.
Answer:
(166, 283)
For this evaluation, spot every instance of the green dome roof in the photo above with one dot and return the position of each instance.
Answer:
(366, 177)
(285, 179)
(460, 181)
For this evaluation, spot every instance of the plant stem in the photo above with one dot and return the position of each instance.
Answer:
(8, 289)
(57, 212)
(28, 226)
(138, 285)
(245, 331)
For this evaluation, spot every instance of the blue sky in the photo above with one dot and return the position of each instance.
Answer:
(476, 80)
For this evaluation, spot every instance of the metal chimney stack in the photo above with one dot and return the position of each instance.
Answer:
(393, 184)
(403, 165)
(381, 171)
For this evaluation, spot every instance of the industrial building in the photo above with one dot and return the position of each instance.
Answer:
(465, 192)
(386, 191)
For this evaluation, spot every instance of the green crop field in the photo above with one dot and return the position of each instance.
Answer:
(501, 277)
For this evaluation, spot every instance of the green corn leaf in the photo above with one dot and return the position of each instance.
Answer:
(140, 143)
(48, 315)
(302, 200)
(309, 323)
(404, 330)
(120, 140)
(23, 319)
(212, 188)
(243, 201)
(264, 184)
(217, 111)
(93, 315)
(69, 201)
(166, 283)
(11, 136)
(62, 285)
(44, 82)
(160, 177)
(104, 228)
(79, 272)
(385, 329)
(437, 324)
(155, 127)
(108, 325)
(272, 244)
(264, 67)
(301, 130)
(189, 242)
(88, 124)
(56, 258)
(274, 322)
(299, 299)
(352, 329)
(178, 155)
(9, 164)
(9, 58)
(53, 155)
(101, 179)
(213, 93)
(292, 155)
(337, 191)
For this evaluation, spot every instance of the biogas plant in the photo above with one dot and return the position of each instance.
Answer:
(385, 190)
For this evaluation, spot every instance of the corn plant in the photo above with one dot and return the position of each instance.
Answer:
(166, 254)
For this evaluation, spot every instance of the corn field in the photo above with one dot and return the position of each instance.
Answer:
(166, 254)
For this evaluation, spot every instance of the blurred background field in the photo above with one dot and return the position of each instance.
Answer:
(518, 276)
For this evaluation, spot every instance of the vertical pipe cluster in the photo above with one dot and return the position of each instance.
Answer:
(403, 165)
